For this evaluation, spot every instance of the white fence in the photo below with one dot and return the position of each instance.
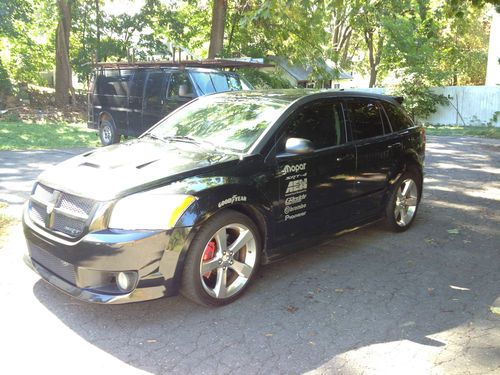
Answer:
(468, 105)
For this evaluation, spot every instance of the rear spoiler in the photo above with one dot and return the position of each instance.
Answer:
(399, 99)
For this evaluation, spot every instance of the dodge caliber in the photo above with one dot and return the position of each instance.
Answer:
(222, 185)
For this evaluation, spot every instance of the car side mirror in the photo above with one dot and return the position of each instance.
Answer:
(298, 146)
(185, 92)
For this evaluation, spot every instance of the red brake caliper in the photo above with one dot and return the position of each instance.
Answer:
(209, 253)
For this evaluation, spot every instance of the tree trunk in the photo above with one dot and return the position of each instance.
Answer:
(98, 30)
(217, 31)
(63, 67)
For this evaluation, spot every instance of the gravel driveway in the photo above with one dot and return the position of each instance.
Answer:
(370, 302)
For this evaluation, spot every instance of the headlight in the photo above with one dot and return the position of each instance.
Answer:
(150, 210)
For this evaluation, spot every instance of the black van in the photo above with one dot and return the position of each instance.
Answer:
(129, 100)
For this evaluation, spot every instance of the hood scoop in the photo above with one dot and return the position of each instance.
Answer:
(146, 164)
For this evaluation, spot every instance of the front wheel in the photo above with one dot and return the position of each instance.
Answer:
(403, 203)
(222, 259)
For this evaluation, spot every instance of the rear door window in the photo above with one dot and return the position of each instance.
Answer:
(365, 118)
(154, 88)
(398, 118)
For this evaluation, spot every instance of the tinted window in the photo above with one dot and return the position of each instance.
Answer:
(234, 83)
(321, 123)
(114, 82)
(137, 84)
(399, 120)
(177, 80)
(154, 86)
(366, 119)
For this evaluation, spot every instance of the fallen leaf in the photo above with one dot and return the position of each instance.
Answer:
(458, 287)
(467, 241)
(268, 334)
(495, 310)
(312, 343)
(339, 290)
(430, 290)
(453, 231)
(291, 309)
(151, 341)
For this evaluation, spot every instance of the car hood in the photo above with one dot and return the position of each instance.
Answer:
(117, 170)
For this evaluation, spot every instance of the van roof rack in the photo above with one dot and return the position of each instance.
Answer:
(208, 63)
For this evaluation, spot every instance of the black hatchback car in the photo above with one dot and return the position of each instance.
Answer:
(128, 100)
(222, 185)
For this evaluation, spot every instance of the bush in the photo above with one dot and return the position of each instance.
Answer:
(5, 85)
(419, 101)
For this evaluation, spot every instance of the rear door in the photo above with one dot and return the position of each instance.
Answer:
(375, 144)
(135, 101)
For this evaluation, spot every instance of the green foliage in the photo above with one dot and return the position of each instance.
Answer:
(419, 101)
(20, 135)
(463, 131)
(5, 84)
(263, 80)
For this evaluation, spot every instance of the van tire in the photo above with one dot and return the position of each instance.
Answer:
(108, 133)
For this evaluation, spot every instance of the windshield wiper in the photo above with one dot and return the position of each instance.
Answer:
(180, 138)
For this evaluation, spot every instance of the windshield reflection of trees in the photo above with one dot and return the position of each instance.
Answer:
(233, 123)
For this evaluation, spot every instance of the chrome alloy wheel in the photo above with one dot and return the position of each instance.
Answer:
(228, 261)
(107, 135)
(406, 202)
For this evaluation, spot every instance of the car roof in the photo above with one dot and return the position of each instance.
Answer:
(292, 95)
(170, 68)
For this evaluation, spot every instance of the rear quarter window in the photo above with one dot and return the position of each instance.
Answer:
(398, 118)
(114, 82)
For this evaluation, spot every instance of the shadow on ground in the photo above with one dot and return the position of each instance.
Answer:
(423, 295)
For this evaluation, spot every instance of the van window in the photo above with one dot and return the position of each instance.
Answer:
(114, 82)
(204, 82)
(154, 86)
(220, 82)
(176, 81)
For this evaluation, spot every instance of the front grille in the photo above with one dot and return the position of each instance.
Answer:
(60, 212)
(55, 265)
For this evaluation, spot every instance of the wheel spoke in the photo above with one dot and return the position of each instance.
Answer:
(210, 265)
(398, 213)
(244, 237)
(220, 288)
(221, 239)
(411, 201)
(242, 269)
(407, 187)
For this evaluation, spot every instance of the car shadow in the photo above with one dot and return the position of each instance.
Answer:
(322, 305)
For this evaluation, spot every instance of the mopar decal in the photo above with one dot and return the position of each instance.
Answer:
(233, 199)
(293, 168)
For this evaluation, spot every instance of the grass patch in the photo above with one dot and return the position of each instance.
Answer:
(19, 135)
(464, 131)
(5, 222)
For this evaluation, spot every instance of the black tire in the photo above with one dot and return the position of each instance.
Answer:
(196, 285)
(399, 206)
(108, 133)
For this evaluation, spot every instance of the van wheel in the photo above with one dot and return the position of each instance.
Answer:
(108, 133)
(403, 203)
(222, 259)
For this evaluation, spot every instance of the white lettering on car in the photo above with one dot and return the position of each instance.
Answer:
(293, 168)
(233, 199)
(296, 186)
(294, 216)
(299, 207)
(295, 199)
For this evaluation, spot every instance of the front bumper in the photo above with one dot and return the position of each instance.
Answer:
(85, 269)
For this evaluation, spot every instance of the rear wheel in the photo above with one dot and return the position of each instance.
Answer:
(403, 204)
(222, 259)
(108, 133)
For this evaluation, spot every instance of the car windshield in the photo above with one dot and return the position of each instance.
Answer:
(232, 123)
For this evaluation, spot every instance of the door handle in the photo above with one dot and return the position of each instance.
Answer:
(395, 145)
(345, 157)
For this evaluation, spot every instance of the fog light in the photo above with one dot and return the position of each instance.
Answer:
(125, 281)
